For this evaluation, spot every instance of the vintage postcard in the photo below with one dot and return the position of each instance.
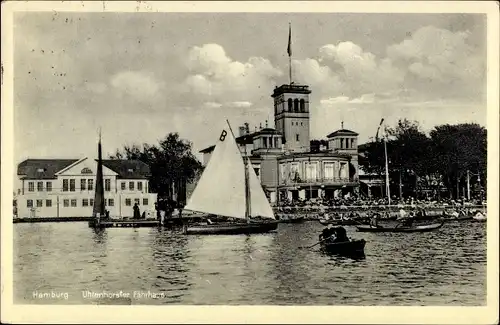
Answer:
(250, 162)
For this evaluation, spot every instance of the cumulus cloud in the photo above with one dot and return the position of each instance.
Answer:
(440, 56)
(138, 84)
(347, 70)
(214, 74)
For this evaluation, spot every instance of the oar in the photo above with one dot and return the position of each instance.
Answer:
(317, 242)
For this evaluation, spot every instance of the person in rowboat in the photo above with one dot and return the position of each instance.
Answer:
(340, 235)
(374, 221)
(327, 233)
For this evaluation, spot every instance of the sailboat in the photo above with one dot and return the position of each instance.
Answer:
(230, 188)
(98, 210)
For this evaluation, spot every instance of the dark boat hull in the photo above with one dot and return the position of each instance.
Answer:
(231, 228)
(293, 220)
(349, 248)
(423, 228)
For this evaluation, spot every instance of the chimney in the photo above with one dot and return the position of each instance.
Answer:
(247, 128)
(260, 126)
(266, 124)
(242, 130)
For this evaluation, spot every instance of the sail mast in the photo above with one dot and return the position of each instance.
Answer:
(99, 186)
(248, 201)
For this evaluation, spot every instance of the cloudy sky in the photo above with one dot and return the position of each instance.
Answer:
(142, 75)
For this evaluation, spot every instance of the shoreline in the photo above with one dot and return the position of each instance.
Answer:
(307, 211)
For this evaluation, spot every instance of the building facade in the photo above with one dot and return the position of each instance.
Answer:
(66, 187)
(282, 157)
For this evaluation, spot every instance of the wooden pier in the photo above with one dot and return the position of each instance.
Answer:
(125, 224)
(131, 223)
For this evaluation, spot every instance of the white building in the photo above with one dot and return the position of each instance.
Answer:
(65, 188)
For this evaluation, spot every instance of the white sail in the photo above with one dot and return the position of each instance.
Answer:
(259, 203)
(221, 187)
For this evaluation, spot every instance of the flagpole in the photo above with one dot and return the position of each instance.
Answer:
(289, 51)
(387, 187)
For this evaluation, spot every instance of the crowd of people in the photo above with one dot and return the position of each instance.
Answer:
(360, 201)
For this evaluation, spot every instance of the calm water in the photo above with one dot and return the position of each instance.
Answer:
(445, 267)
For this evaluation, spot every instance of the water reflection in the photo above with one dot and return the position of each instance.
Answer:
(445, 267)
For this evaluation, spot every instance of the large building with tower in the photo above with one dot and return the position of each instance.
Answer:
(288, 166)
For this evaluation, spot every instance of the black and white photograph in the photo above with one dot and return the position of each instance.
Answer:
(176, 155)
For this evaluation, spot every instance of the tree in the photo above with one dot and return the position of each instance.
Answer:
(170, 162)
(459, 148)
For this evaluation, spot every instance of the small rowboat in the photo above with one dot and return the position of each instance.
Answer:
(421, 228)
(347, 248)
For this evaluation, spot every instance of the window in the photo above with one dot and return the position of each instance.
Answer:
(137, 201)
(329, 171)
(73, 203)
(65, 185)
(341, 143)
(83, 183)
(31, 187)
(72, 185)
(264, 140)
(111, 202)
(352, 143)
(131, 186)
(302, 105)
(124, 186)
(85, 202)
(29, 203)
(128, 202)
(296, 105)
(107, 185)
(48, 186)
(105, 202)
(145, 202)
(48, 203)
(139, 186)
(297, 137)
(290, 105)
(301, 124)
(276, 142)
(39, 186)
(91, 201)
(66, 203)
(90, 184)
(39, 203)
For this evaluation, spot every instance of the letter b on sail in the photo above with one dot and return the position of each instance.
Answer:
(223, 135)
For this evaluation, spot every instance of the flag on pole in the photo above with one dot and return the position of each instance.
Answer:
(289, 48)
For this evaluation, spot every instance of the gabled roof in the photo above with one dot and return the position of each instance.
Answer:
(341, 132)
(128, 169)
(47, 168)
(42, 168)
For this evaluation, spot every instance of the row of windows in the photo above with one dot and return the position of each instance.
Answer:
(85, 202)
(131, 186)
(39, 186)
(297, 123)
(348, 144)
(295, 106)
(85, 184)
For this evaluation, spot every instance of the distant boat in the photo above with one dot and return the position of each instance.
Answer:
(420, 228)
(479, 217)
(229, 187)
